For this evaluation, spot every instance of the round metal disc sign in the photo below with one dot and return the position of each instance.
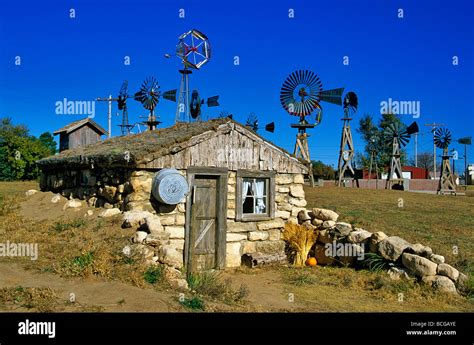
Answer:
(169, 186)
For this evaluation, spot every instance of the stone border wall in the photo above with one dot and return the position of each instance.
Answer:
(343, 244)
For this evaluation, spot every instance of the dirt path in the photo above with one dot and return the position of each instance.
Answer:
(265, 293)
(91, 293)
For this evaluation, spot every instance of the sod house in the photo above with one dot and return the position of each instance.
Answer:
(235, 189)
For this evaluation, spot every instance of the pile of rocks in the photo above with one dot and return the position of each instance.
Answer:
(410, 261)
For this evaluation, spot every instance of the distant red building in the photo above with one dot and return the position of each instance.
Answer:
(415, 173)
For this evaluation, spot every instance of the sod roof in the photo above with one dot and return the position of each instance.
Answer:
(130, 150)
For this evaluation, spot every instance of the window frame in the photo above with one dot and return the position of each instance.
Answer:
(251, 174)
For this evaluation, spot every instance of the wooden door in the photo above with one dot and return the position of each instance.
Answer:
(204, 223)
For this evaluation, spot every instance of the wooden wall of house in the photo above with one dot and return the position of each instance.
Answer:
(63, 141)
(234, 149)
(83, 136)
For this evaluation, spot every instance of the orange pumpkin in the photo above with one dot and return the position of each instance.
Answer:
(311, 262)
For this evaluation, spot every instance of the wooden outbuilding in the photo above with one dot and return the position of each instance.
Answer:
(79, 134)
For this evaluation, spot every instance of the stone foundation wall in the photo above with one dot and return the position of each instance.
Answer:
(99, 187)
(263, 237)
(171, 217)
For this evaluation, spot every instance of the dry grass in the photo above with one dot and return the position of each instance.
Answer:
(331, 289)
(33, 299)
(213, 286)
(74, 247)
(41, 300)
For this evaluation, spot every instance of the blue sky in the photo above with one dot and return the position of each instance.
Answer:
(81, 58)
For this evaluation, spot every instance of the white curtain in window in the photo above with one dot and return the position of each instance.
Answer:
(258, 188)
(245, 189)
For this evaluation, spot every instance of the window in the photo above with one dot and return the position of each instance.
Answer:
(255, 195)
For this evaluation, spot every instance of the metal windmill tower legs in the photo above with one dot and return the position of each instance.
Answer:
(182, 108)
(345, 154)
(395, 166)
(125, 127)
(446, 180)
(302, 151)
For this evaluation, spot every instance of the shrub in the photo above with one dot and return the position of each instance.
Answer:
(83, 261)
(375, 262)
(153, 274)
(194, 303)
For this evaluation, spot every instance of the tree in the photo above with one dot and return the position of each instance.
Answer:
(425, 160)
(19, 152)
(48, 141)
(370, 131)
(324, 171)
(7, 128)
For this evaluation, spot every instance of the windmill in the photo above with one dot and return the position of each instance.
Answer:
(300, 95)
(398, 135)
(372, 147)
(148, 96)
(195, 104)
(252, 123)
(225, 114)
(442, 139)
(125, 127)
(194, 50)
(346, 150)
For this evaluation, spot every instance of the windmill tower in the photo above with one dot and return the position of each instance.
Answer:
(194, 50)
(125, 127)
(442, 139)
(398, 135)
(300, 95)
(346, 150)
(372, 146)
